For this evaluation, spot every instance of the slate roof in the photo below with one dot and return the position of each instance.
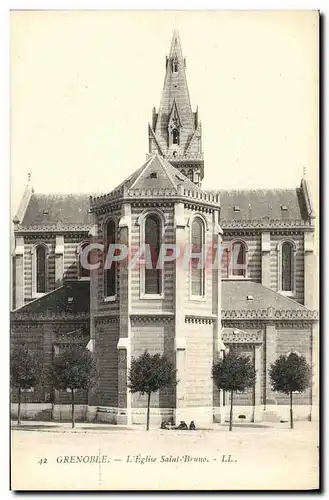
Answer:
(71, 210)
(235, 292)
(167, 176)
(72, 298)
(262, 203)
(49, 209)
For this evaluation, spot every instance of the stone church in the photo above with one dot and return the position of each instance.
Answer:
(259, 300)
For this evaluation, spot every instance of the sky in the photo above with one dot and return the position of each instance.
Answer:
(83, 85)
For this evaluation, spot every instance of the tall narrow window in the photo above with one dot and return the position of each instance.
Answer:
(197, 263)
(83, 272)
(175, 136)
(41, 269)
(238, 259)
(153, 239)
(286, 267)
(110, 272)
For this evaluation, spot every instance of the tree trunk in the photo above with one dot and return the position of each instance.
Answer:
(73, 415)
(148, 411)
(231, 411)
(19, 407)
(291, 413)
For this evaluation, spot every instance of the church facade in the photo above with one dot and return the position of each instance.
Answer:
(247, 283)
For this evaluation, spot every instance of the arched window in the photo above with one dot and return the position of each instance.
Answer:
(238, 259)
(197, 262)
(286, 267)
(190, 175)
(41, 269)
(82, 271)
(110, 272)
(153, 285)
(175, 136)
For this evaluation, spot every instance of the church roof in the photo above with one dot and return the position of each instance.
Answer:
(250, 204)
(71, 298)
(61, 210)
(249, 296)
(72, 210)
(157, 178)
(157, 172)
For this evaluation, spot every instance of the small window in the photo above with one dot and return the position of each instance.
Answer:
(175, 136)
(286, 267)
(153, 175)
(238, 259)
(110, 273)
(82, 271)
(236, 208)
(197, 263)
(284, 207)
(41, 269)
(152, 285)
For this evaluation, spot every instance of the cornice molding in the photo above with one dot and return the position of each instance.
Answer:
(204, 320)
(266, 223)
(179, 194)
(241, 337)
(53, 228)
(270, 314)
(150, 318)
(48, 316)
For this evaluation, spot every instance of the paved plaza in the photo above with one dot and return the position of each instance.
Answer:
(52, 456)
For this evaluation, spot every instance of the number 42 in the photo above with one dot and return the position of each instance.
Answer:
(42, 461)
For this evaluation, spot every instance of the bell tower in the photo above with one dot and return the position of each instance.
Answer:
(175, 131)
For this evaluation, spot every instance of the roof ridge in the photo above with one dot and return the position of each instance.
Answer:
(143, 168)
(166, 170)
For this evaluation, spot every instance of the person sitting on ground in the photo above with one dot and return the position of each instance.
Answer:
(182, 426)
(192, 425)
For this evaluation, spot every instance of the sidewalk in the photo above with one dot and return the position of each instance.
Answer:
(81, 427)
(96, 427)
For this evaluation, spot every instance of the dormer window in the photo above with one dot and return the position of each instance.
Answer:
(175, 66)
(175, 136)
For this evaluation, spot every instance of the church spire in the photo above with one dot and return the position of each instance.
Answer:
(175, 131)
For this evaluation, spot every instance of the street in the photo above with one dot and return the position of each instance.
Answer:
(107, 457)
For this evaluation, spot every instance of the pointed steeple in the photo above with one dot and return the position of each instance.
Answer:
(175, 132)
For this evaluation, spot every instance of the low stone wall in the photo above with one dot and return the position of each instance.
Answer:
(201, 416)
(32, 411)
(64, 413)
(272, 413)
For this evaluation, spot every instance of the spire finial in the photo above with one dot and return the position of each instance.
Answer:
(304, 172)
(29, 175)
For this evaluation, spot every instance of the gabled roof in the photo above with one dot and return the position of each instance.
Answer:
(71, 298)
(251, 204)
(65, 210)
(235, 297)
